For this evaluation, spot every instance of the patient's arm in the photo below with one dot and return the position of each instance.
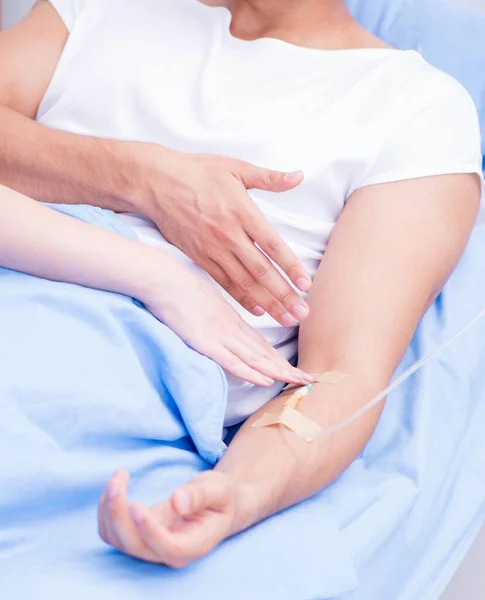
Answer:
(39, 241)
(393, 248)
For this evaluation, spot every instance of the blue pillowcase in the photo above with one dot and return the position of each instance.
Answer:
(449, 35)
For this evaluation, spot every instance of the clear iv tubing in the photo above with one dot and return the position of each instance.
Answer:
(394, 384)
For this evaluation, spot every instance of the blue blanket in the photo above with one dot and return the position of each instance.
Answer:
(90, 381)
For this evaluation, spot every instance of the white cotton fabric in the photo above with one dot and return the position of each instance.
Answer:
(170, 72)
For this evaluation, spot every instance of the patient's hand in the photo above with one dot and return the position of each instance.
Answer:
(175, 532)
(201, 205)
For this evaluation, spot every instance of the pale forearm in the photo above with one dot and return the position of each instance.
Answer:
(37, 240)
(59, 167)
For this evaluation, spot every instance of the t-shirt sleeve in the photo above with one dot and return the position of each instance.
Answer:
(438, 134)
(69, 10)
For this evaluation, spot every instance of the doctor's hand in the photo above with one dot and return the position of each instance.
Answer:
(201, 205)
(178, 531)
(196, 311)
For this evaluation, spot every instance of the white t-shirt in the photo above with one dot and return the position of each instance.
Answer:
(170, 72)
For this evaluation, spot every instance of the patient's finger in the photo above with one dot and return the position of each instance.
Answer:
(102, 529)
(121, 530)
(162, 542)
(104, 523)
(206, 491)
(118, 513)
(106, 527)
(166, 516)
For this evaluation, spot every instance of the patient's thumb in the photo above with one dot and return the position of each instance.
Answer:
(270, 181)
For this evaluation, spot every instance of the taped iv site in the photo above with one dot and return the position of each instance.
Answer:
(290, 418)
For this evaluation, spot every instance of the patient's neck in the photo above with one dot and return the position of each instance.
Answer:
(324, 24)
(303, 22)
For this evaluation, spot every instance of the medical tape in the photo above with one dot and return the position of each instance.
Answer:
(289, 418)
(309, 434)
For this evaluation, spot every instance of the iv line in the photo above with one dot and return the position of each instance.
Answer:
(397, 382)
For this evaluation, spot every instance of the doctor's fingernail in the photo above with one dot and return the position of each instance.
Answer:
(300, 311)
(258, 311)
(304, 284)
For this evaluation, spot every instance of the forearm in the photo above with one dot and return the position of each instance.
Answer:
(59, 167)
(274, 468)
(372, 288)
(37, 240)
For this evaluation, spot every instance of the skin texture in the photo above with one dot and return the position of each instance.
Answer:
(39, 241)
(265, 469)
(360, 294)
(190, 197)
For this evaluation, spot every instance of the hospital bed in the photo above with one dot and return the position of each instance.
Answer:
(469, 582)
(452, 37)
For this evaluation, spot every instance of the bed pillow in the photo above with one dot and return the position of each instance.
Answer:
(450, 34)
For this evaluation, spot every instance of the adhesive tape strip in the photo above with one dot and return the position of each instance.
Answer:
(331, 377)
(291, 418)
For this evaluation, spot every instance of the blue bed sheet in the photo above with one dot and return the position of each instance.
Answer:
(90, 381)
